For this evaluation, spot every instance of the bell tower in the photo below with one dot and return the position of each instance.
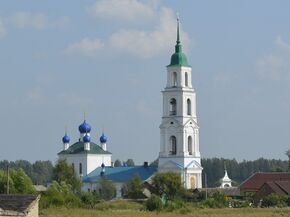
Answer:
(179, 131)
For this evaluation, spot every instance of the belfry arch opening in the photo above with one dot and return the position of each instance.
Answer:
(172, 107)
(186, 79)
(188, 107)
(189, 145)
(173, 145)
(174, 79)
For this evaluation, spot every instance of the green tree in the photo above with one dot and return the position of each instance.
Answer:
(59, 194)
(133, 189)
(130, 163)
(117, 163)
(19, 182)
(167, 183)
(154, 163)
(107, 189)
(274, 200)
(288, 155)
(42, 172)
(22, 183)
(153, 203)
(89, 199)
(3, 183)
(63, 172)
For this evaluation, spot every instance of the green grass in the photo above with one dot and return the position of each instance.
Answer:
(133, 209)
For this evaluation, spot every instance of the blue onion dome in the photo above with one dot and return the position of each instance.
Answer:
(103, 138)
(85, 127)
(87, 138)
(65, 139)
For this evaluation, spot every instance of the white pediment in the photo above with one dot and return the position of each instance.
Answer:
(191, 122)
(171, 165)
(194, 164)
(169, 122)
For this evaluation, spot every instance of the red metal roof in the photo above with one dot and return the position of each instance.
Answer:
(285, 185)
(275, 187)
(255, 182)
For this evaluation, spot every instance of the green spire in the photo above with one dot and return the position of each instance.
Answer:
(178, 45)
(178, 58)
(177, 40)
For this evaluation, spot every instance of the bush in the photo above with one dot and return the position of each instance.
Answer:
(63, 172)
(216, 200)
(107, 189)
(88, 199)
(133, 189)
(167, 183)
(19, 182)
(59, 195)
(175, 205)
(153, 203)
(118, 205)
(274, 200)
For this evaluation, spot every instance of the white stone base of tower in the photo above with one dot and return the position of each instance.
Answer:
(189, 169)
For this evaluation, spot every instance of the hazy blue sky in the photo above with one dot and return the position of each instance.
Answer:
(108, 57)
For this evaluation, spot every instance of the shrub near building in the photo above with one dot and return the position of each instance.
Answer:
(133, 189)
(19, 182)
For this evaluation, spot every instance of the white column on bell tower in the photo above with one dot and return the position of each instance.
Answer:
(179, 131)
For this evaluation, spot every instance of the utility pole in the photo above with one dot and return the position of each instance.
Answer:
(8, 179)
(205, 183)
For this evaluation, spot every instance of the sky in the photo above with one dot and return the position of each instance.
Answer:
(107, 58)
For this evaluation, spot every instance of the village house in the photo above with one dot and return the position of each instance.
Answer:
(19, 205)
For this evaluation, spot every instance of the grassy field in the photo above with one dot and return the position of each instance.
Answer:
(129, 209)
(62, 212)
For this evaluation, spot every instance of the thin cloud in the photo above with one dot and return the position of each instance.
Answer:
(37, 21)
(276, 65)
(2, 29)
(126, 10)
(147, 44)
(279, 42)
(138, 43)
(87, 47)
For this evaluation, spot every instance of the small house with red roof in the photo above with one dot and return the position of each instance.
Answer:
(281, 188)
(254, 183)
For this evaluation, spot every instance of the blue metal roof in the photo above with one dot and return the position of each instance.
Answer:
(121, 174)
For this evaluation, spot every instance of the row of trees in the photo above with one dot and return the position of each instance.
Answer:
(238, 171)
(41, 172)
(129, 163)
(166, 191)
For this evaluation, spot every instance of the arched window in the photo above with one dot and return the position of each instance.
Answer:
(173, 145)
(81, 169)
(188, 107)
(186, 79)
(174, 79)
(189, 144)
(172, 108)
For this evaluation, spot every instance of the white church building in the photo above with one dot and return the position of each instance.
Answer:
(85, 155)
(179, 137)
(179, 131)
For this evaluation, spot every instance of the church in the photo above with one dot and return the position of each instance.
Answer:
(85, 155)
(179, 137)
(179, 131)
